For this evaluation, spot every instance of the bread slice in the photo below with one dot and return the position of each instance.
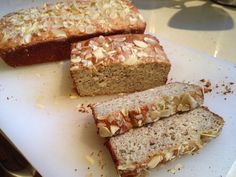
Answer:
(159, 142)
(119, 115)
(45, 33)
(119, 63)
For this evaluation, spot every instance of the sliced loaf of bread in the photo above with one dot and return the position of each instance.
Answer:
(122, 114)
(118, 64)
(159, 142)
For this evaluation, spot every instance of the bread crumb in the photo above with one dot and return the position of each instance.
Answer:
(206, 85)
(90, 159)
(82, 108)
(177, 167)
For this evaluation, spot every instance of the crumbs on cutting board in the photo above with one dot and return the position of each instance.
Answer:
(223, 88)
(83, 108)
(177, 168)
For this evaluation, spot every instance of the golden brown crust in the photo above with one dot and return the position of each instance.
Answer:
(32, 29)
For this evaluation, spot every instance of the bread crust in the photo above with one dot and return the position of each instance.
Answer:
(40, 49)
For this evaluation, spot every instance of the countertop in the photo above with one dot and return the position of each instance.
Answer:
(199, 24)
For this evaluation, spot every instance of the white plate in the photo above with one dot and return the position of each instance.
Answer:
(38, 115)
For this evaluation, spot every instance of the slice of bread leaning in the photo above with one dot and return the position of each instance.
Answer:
(159, 142)
(134, 110)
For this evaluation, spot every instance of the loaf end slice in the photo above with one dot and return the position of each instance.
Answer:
(148, 146)
(137, 109)
(45, 33)
(118, 64)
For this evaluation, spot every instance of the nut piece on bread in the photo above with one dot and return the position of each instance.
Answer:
(118, 64)
(137, 109)
(159, 142)
(45, 33)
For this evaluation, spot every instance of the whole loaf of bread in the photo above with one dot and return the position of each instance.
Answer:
(44, 34)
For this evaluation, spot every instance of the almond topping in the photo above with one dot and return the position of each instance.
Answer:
(98, 53)
(165, 113)
(126, 167)
(131, 60)
(169, 156)
(90, 29)
(27, 38)
(140, 44)
(154, 161)
(154, 115)
(59, 33)
(78, 45)
(114, 129)
(104, 132)
(150, 40)
(125, 112)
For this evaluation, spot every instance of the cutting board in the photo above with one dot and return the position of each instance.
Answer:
(39, 113)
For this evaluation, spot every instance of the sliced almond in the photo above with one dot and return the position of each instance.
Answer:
(140, 123)
(154, 161)
(78, 45)
(98, 53)
(126, 167)
(101, 124)
(102, 118)
(140, 44)
(154, 115)
(150, 40)
(142, 54)
(90, 29)
(27, 38)
(183, 108)
(169, 156)
(114, 129)
(101, 39)
(104, 131)
(120, 39)
(125, 111)
(131, 60)
(165, 113)
(187, 99)
(59, 33)
(76, 60)
(148, 119)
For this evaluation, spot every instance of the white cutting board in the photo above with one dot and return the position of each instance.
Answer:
(38, 115)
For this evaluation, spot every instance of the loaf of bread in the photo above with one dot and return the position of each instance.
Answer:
(44, 34)
(134, 110)
(159, 142)
(118, 64)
